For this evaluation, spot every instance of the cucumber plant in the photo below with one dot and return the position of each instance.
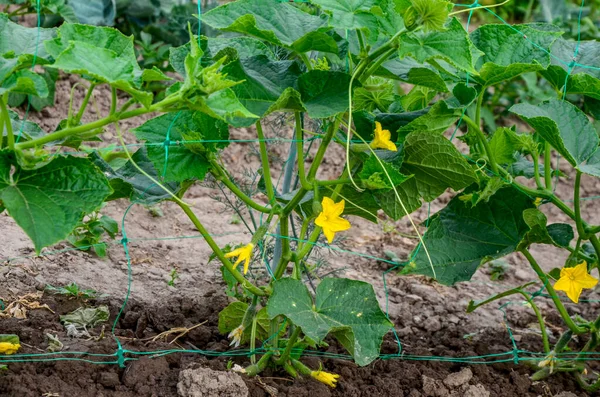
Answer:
(338, 64)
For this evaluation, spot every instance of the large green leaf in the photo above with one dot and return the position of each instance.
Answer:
(346, 308)
(460, 238)
(435, 165)
(104, 54)
(23, 41)
(452, 45)
(185, 161)
(324, 94)
(507, 54)
(29, 130)
(273, 21)
(350, 14)
(25, 82)
(380, 173)
(564, 126)
(50, 201)
(264, 83)
(246, 47)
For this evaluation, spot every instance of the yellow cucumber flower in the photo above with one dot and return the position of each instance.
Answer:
(9, 348)
(243, 254)
(538, 201)
(573, 280)
(329, 219)
(325, 377)
(236, 336)
(382, 139)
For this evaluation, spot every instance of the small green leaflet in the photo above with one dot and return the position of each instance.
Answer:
(346, 308)
(437, 120)
(452, 45)
(413, 72)
(567, 129)
(128, 182)
(277, 22)
(50, 201)
(186, 161)
(231, 317)
(460, 238)
(374, 177)
(557, 234)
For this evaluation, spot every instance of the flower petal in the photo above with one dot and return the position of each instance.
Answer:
(587, 281)
(330, 234)
(574, 292)
(338, 224)
(563, 284)
(321, 220)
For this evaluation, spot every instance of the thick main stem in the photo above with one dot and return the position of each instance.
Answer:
(577, 205)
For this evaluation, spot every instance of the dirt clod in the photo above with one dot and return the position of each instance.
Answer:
(459, 378)
(204, 382)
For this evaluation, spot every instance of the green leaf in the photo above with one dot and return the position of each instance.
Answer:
(557, 234)
(503, 145)
(577, 84)
(324, 94)
(128, 182)
(231, 317)
(408, 193)
(25, 82)
(460, 238)
(30, 130)
(437, 120)
(452, 45)
(436, 164)
(350, 14)
(50, 201)
(186, 161)
(507, 54)
(225, 105)
(564, 126)
(346, 308)
(94, 12)
(264, 82)
(464, 94)
(21, 40)
(273, 21)
(418, 98)
(85, 318)
(374, 177)
(99, 52)
(246, 47)
(412, 72)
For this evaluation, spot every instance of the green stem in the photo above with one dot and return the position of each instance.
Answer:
(333, 182)
(255, 369)
(577, 205)
(113, 101)
(221, 175)
(288, 348)
(5, 120)
(213, 245)
(557, 302)
(596, 245)
(484, 142)
(548, 165)
(84, 104)
(300, 152)
(303, 231)
(285, 246)
(97, 124)
(306, 61)
(333, 127)
(377, 64)
(536, 169)
(264, 158)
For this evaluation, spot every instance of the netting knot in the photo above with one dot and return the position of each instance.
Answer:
(515, 353)
(475, 4)
(120, 357)
(124, 240)
(167, 142)
(572, 64)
